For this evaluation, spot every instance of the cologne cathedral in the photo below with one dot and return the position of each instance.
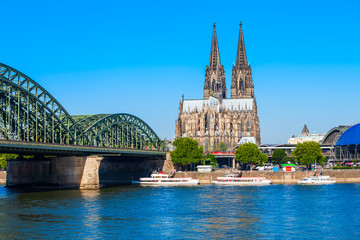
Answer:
(217, 118)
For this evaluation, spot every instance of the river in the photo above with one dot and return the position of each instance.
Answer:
(202, 212)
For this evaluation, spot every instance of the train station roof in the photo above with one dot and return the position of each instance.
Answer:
(350, 136)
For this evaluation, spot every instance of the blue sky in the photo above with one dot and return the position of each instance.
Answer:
(139, 57)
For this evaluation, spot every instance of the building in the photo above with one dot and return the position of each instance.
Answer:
(306, 137)
(217, 118)
(347, 147)
(333, 135)
(289, 167)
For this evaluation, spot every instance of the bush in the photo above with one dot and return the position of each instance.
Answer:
(4, 157)
(211, 159)
(346, 167)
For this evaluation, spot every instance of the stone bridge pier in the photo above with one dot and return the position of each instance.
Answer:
(84, 172)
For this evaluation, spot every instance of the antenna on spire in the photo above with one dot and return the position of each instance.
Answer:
(214, 25)
(240, 24)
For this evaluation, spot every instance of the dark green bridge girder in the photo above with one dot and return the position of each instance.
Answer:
(117, 130)
(29, 113)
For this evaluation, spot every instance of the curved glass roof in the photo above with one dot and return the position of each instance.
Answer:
(350, 136)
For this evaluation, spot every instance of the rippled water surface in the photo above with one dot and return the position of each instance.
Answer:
(203, 212)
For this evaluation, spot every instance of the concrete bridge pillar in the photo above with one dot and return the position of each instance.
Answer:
(62, 172)
(84, 172)
(90, 177)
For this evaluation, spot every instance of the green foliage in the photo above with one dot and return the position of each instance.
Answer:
(3, 163)
(209, 159)
(186, 151)
(221, 147)
(278, 156)
(354, 161)
(309, 153)
(28, 156)
(262, 159)
(346, 167)
(249, 153)
(163, 144)
(4, 157)
(287, 159)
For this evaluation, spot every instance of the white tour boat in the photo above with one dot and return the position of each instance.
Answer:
(161, 179)
(316, 180)
(232, 179)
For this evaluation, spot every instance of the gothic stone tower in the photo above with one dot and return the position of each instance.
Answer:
(242, 85)
(215, 118)
(214, 74)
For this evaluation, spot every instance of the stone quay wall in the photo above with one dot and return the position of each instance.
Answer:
(2, 177)
(92, 180)
(342, 176)
(84, 172)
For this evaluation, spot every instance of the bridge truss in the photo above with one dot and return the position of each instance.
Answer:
(118, 130)
(29, 113)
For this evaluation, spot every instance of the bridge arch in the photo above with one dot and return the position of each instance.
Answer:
(30, 113)
(119, 130)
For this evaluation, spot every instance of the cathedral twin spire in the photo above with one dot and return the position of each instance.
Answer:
(241, 53)
(215, 73)
(214, 54)
(241, 86)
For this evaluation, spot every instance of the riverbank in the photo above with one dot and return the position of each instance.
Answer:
(2, 177)
(342, 176)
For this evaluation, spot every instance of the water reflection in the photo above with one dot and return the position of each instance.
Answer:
(90, 211)
(213, 212)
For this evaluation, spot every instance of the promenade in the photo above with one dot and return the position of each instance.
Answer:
(342, 176)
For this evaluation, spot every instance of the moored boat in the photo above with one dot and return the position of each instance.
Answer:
(161, 179)
(317, 180)
(242, 181)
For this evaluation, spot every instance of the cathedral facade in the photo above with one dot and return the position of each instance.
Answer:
(217, 118)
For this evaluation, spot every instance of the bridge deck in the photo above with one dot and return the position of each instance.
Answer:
(20, 147)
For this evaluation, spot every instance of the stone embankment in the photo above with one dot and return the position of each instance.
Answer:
(2, 177)
(342, 176)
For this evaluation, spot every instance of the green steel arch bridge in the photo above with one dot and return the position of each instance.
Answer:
(32, 120)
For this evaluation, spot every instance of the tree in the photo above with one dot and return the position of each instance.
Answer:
(208, 158)
(262, 159)
(221, 147)
(187, 151)
(287, 159)
(249, 153)
(278, 156)
(354, 162)
(4, 157)
(309, 153)
(3, 163)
